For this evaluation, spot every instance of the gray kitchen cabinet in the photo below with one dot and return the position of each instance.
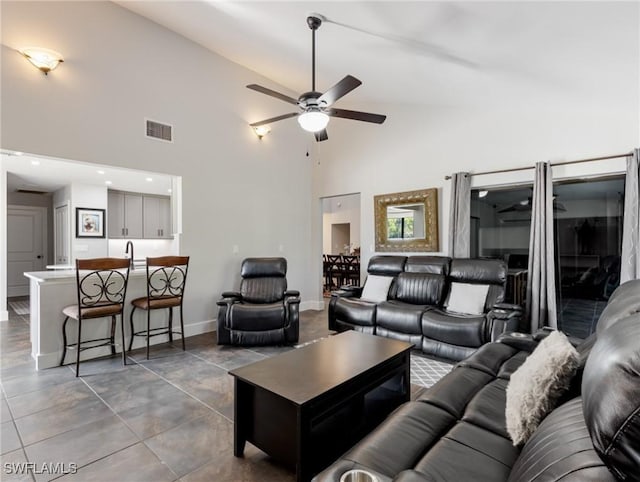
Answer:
(124, 215)
(157, 217)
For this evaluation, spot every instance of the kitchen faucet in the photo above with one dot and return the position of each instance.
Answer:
(126, 252)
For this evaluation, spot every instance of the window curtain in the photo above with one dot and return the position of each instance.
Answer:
(541, 289)
(460, 218)
(630, 262)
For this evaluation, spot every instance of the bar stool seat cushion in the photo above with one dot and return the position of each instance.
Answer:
(257, 317)
(93, 311)
(156, 303)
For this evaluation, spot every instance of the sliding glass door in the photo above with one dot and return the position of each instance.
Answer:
(588, 230)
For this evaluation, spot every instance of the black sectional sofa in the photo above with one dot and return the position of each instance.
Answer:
(415, 311)
(456, 430)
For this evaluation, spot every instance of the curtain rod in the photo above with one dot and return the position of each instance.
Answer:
(498, 171)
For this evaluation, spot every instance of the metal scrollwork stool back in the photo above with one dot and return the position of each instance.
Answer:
(166, 279)
(101, 287)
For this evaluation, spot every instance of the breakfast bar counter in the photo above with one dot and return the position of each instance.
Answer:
(51, 291)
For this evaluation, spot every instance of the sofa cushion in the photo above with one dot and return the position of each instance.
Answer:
(402, 317)
(355, 311)
(457, 329)
(376, 288)
(260, 317)
(536, 386)
(560, 449)
(611, 396)
(420, 288)
(401, 440)
(467, 298)
(385, 265)
(428, 264)
(486, 456)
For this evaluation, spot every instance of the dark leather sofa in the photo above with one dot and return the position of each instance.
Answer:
(263, 312)
(414, 310)
(456, 430)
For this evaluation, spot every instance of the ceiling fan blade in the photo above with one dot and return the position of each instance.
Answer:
(321, 135)
(339, 90)
(274, 119)
(355, 115)
(272, 93)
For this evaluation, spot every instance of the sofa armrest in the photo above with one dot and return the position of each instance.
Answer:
(347, 292)
(501, 318)
(508, 307)
(520, 341)
(232, 294)
(545, 332)
(229, 297)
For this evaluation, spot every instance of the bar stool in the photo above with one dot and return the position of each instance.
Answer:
(101, 289)
(166, 278)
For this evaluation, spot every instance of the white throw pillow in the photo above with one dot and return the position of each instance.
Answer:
(536, 386)
(376, 288)
(467, 298)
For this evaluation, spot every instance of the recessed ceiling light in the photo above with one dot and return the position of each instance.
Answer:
(482, 193)
(35, 163)
(18, 153)
(169, 190)
(100, 172)
(108, 183)
(149, 179)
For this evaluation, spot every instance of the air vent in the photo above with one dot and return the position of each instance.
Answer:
(156, 130)
(29, 191)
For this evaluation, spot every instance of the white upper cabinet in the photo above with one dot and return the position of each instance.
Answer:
(138, 216)
(157, 217)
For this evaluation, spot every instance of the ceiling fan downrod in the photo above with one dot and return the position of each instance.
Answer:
(314, 24)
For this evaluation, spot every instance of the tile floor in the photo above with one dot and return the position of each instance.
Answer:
(165, 419)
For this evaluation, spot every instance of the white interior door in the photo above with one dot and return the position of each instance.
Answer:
(26, 246)
(61, 229)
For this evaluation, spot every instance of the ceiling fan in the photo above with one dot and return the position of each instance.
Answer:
(315, 107)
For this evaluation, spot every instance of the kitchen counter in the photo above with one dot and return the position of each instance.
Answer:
(51, 291)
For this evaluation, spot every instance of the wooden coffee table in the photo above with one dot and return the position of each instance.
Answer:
(307, 406)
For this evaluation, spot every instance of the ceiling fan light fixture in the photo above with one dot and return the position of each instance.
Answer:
(313, 121)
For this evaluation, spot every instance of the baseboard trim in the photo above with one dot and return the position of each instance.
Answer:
(4, 315)
(312, 305)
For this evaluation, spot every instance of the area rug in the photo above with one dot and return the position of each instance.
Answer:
(20, 307)
(424, 371)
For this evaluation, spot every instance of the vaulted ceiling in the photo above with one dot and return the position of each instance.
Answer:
(426, 53)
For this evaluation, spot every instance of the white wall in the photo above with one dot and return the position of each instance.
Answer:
(120, 69)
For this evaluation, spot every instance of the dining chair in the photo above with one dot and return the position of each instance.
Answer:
(166, 280)
(101, 286)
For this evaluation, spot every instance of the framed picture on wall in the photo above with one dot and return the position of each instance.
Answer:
(89, 223)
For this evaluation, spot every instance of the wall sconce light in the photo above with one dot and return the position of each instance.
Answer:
(262, 131)
(44, 59)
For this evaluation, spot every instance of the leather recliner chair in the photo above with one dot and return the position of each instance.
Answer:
(263, 312)
(455, 336)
